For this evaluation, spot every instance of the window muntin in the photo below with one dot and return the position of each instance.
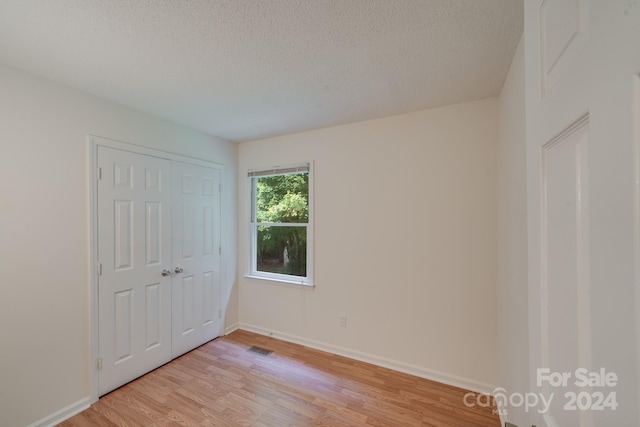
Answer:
(280, 224)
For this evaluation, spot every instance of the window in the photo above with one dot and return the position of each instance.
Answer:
(281, 224)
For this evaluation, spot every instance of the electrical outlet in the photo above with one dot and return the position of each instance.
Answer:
(342, 321)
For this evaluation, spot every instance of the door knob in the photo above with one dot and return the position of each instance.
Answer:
(178, 270)
(166, 272)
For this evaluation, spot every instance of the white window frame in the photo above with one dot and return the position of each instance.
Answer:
(253, 258)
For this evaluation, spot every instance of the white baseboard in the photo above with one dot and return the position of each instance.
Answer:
(407, 368)
(63, 414)
(231, 328)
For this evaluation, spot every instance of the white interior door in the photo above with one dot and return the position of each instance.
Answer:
(134, 247)
(196, 256)
(582, 58)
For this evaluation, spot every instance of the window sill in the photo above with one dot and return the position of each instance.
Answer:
(281, 281)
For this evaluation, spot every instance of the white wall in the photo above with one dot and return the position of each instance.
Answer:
(513, 322)
(405, 242)
(44, 233)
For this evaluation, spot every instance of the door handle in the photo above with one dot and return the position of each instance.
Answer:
(166, 272)
(178, 270)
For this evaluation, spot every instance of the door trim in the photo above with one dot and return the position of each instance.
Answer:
(94, 142)
(636, 220)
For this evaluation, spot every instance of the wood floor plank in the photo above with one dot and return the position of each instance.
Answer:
(223, 384)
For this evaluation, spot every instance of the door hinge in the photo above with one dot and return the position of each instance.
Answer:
(219, 314)
(99, 363)
(219, 250)
(99, 269)
(98, 174)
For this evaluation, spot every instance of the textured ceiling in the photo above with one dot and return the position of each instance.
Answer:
(246, 69)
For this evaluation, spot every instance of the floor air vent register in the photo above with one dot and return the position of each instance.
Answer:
(260, 350)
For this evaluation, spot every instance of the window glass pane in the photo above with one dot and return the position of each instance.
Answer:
(282, 198)
(282, 250)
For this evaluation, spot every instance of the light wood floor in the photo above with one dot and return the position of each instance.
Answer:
(223, 384)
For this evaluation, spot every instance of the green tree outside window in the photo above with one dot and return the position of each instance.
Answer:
(282, 199)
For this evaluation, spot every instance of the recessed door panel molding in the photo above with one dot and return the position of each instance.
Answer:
(153, 233)
(156, 246)
(123, 312)
(188, 232)
(122, 174)
(207, 230)
(153, 181)
(563, 32)
(187, 287)
(565, 284)
(153, 324)
(187, 184)
(207, 186)
(123, 224)
(208, 298)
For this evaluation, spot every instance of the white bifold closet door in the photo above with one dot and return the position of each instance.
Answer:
(159, 252)
(196, 256)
